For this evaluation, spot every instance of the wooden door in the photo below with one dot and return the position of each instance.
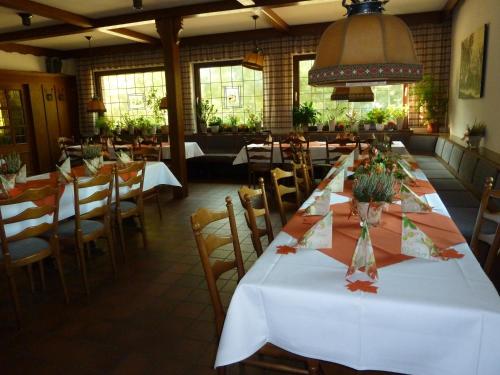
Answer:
(15, 125)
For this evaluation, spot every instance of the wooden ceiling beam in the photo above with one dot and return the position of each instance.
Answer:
(47, 12)
(30, 50)
(276, 21)
(80, 23)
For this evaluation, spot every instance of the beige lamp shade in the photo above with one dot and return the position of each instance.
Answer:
(361, 94)
(368, 48)
(254, 60)
(164, 103)
(96, 105)
(340, 93)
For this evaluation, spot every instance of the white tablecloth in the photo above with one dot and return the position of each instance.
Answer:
(157, 173)
(317, 150)
(428, 317)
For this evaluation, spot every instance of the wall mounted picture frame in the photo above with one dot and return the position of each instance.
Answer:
(232, 97)
(472, 64)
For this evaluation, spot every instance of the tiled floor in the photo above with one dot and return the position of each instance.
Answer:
(154, 318)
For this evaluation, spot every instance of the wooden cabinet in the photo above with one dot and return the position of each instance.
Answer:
(50, 108)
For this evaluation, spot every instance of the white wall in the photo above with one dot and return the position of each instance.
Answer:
(468, 17)
(18, 61)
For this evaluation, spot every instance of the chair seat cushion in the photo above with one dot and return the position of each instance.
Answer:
(452, 198)
(67, 229)
(465, 218)
(25, 248)
(124, 206)
(435, 173)
(441, 184)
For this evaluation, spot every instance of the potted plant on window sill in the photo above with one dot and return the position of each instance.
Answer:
(304, 115)
(398, 114)
(204, 112)
(215, 124)
(474, 134)
(105, 125)
(378, 117)
(372, 191)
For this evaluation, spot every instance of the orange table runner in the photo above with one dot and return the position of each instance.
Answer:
(386, 238)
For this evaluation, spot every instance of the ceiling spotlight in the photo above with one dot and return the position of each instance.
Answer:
(25, 18)
(137, 4)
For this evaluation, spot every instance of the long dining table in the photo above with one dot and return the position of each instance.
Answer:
(156, 173)
(426, 316)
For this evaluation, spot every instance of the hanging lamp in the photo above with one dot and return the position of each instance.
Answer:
(340, 93)
(353, 94)
(95, 105)
(366, 48)
(255, 59)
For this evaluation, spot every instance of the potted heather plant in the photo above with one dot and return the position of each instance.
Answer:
(372, 191)
(92, 159)
(11, 165)
(474, 134)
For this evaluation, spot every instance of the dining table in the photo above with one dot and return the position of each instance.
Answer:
(156, 174)
(422, 316)
(317, 151)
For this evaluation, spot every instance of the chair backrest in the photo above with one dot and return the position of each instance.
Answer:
(281, 190)
(302, 179)
(247, 198)
(148, 153)
(261, 152)
(483, 213)
(129, 178)
(207, 244)
(100, 198)
(291, 147)
(45, 202)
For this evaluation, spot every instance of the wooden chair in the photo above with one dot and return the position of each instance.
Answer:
(206, 246)
(260, 159)
(150, 153)
(129, 203)
(26, 247)
(84, 228)
(337, 147)
(280, 191)
(125, 145)
(247, 196)
(302, 179)
(291, 147)
(70, 149)
(493, 240)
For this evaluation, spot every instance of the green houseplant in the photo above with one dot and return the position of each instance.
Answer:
(105, 125)
(377, 116)
(215, 123)
(233, 122)
(334, 114)
(304, 115)
(398, 114)
(429, 100)
(474, 134)
(204, 112)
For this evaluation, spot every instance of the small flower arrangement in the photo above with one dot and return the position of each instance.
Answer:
(12, 163)
(90, 152)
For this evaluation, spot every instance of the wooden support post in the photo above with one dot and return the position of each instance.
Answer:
(168, 28)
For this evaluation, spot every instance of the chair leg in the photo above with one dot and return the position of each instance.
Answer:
(122, 237)
(143, 230)
(83, 265)
(111, 249)
(492, 253)
(313, 367)
(15, 297)
(158, 202)
(221, 370)
(42, 275)
(29, 271)
(61, 277)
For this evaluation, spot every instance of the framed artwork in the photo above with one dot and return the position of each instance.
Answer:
(136, 101)
(232, 97)
(472, 64)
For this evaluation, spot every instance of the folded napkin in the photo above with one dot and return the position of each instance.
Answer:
(21, 175)
(416, 243)
(363, 256)
(93, 166)
(320, 206)
(411, 202)
(65, 171)
(123, 157)
(269, 138)
(336, 184)
(406, 171)
(319, 236)
(8, 182)
(301, 138)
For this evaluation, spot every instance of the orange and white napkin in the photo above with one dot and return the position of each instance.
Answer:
(336, 184)
(320, 206)
(123, 157)
(319, 236)
(407, 171)
(363, 256)
(93, 165)
(21, 175)
(65, 171)
(269, 138)
(8, 182)
(416, 243)
(411, 202)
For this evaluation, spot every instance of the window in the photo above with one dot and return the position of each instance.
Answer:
(13, 127)
(385, 96)
(127, 92)
(231, 88)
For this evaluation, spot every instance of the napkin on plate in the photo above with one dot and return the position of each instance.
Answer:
(319, 236)
(123, 157)
(320, 206)
(406, 171)
(336, 184)
(363, 255)
(65, 171)
(411, 202)
(416, 243)
(21, 175)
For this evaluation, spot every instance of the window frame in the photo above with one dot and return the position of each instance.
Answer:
(296, 83)
(99, 74)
